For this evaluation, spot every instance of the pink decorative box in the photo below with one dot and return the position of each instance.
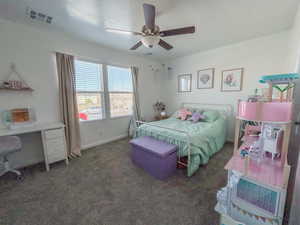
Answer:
(265, 111)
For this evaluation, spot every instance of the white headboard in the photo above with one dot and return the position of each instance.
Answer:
(225, 109)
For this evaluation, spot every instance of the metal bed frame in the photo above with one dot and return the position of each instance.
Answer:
(225, 109)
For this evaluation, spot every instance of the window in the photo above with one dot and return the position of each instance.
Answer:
(100, 88)
(120, 91)
(185, 83)
(89, 88)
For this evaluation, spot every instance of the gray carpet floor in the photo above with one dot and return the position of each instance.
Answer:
(103, 187)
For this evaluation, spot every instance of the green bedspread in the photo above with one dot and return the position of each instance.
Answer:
(206, 138)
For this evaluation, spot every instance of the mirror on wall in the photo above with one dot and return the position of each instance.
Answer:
(185, 83)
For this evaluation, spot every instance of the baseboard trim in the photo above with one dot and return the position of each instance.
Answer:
(84, 147)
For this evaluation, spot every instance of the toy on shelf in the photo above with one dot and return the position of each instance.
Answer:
(18, 118)
(282, 83)
(260, 95)
(263, 125)
(256, 151)
(272, 139)
(252, 134)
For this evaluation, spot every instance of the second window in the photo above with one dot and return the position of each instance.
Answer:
(103, 91)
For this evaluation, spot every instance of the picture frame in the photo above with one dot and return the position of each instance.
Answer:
(232, 80)
(205, 78)
(184, 83)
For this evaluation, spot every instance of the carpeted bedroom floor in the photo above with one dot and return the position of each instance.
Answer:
(103, 187)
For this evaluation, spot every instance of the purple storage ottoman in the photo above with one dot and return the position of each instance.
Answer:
(156, 157)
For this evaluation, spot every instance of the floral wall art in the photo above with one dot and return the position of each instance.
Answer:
(232, 80)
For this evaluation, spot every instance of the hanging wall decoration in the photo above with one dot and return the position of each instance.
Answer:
(14, 81)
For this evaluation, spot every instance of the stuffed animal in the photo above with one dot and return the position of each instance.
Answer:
(184, 114)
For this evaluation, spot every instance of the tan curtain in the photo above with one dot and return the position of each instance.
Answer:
(136, 103)
(68, 103)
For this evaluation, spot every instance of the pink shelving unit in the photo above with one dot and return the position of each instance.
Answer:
(265, 111)
(267, 177)
(258, 171)
(270, 172)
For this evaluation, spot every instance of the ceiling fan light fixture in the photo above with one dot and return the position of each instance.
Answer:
(150, 41)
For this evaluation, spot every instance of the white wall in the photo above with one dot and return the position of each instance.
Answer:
(266, 55)
(294, 44)
(32, 50)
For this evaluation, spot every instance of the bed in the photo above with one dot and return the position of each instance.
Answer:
(196, 141)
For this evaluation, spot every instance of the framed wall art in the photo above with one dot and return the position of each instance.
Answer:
(185, 83)
(205, 78)
(232, 80)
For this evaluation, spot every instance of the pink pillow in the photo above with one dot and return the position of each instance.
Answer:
(183, 114)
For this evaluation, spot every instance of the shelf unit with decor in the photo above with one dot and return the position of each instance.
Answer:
(15, 82)
(258, 171)
(16, 89)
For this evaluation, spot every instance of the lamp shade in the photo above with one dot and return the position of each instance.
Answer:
(150, 41)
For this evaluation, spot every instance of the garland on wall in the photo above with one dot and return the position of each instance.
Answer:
(252, 215)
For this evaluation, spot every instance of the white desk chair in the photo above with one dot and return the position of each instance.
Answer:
(9, 145)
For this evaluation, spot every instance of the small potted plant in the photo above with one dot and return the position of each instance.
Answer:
(160, 107)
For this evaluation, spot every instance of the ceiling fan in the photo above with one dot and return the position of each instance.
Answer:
(151, 34)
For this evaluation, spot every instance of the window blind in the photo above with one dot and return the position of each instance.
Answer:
(88, 76)
(119, 79)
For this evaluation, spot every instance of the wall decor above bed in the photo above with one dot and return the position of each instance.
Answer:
(205, 78)
(185, 83)
(232, 80)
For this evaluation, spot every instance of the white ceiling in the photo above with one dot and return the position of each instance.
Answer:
(218, 22)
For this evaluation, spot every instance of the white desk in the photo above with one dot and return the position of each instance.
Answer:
(53, 140)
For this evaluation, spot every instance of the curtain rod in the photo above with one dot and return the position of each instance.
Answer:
(96, 60)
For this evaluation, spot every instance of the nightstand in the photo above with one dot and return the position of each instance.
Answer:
(159, 117)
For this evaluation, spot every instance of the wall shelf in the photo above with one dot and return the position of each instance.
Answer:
(15, 82)
(14, 89)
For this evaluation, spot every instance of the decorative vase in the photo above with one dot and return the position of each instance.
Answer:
(163, 113)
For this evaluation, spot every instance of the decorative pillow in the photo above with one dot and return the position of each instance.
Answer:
(211, 115)
(196, 117)
(183, 114)
(197, 110)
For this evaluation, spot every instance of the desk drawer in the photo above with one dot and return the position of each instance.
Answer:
(56, 149)
(58, 156)
(55, 133)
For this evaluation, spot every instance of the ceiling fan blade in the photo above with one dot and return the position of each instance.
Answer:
(184, 30)
(149, 14)
(165, 45)
(136, 45)
(119, 31)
